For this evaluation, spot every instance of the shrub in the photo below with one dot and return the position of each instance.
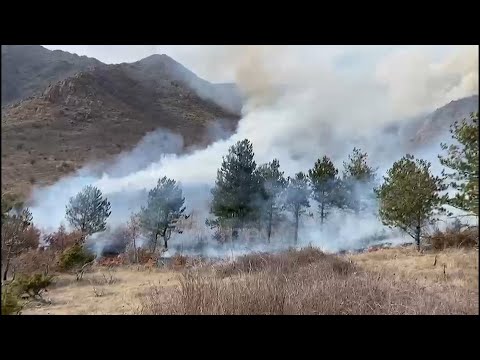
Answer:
(75, 257)
(61, 239)
(453, 238)
(10, 302)
(33, 261)
(285, 262)
(33, 285)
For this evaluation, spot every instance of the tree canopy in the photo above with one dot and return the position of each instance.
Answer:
(410, 196)
(88, 211)
(462, 158)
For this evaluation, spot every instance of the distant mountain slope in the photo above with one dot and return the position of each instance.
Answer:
(434, 126)
(96, 114)
(28, 69)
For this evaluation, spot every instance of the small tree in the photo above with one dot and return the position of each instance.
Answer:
(237, 188)
(273, 183)
(164, 208)
(463, 159)
(296, 198)
(325, 185)
(88, 211)
(409, 197)
(358, 181)
(133, 232)
(15, 236)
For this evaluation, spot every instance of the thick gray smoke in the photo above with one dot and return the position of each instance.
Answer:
(300, 105)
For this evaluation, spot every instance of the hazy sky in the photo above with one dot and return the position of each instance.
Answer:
(207, 61)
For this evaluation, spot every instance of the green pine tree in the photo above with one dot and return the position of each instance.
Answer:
(358, 181)
(325, 186)
(410, 197)
(88, 211)
(297, 198)
(273, 183)
(164, 209)
(237, 190)
(463, 159)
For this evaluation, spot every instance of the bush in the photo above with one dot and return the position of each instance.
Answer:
(10, 302)
(285, 262)
(75, 257)
(32, 285)
(61, 239)
(453, 238)
(33, 261)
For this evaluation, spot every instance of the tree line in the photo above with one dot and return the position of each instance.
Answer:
(245, 195)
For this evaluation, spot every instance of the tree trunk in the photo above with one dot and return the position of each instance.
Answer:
(297, 215)
(7, 265)
(165, 243)
(155, 243)
(135, 255)
(322, 213)
(417, 237)
(269, 231)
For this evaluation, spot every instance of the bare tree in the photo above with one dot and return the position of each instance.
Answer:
(15, 227)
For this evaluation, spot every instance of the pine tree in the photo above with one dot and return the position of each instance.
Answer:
(325, 186)
(410, 197)
(88, 211)
(297, 198)
(358, 181)
(463, 159)
(273, 184)
(237, 190)
(164, 208)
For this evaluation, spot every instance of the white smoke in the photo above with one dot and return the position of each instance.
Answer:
(300, 105)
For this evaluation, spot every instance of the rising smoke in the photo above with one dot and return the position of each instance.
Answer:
(299, 106)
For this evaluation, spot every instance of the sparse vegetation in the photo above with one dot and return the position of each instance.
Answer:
(321, 287)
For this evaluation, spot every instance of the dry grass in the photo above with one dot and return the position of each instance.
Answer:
(102, 292)
(287, 284)
(388, 281)
(452, 267)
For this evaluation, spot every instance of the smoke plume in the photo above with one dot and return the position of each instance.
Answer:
(301, 103)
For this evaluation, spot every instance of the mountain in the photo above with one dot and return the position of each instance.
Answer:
(434, 127)
(28, 69)
(436, 124)
(102, 111)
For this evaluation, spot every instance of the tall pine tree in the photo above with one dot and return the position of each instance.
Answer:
(273, 183)
(325, 186)
(237, 189)
(462, 158)
(297, 198)
(358, 181)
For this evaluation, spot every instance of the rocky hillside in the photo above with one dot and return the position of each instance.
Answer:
(438, 123)
(29, 69)
(98, 113)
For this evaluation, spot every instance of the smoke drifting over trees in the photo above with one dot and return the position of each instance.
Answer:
(295, 111)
